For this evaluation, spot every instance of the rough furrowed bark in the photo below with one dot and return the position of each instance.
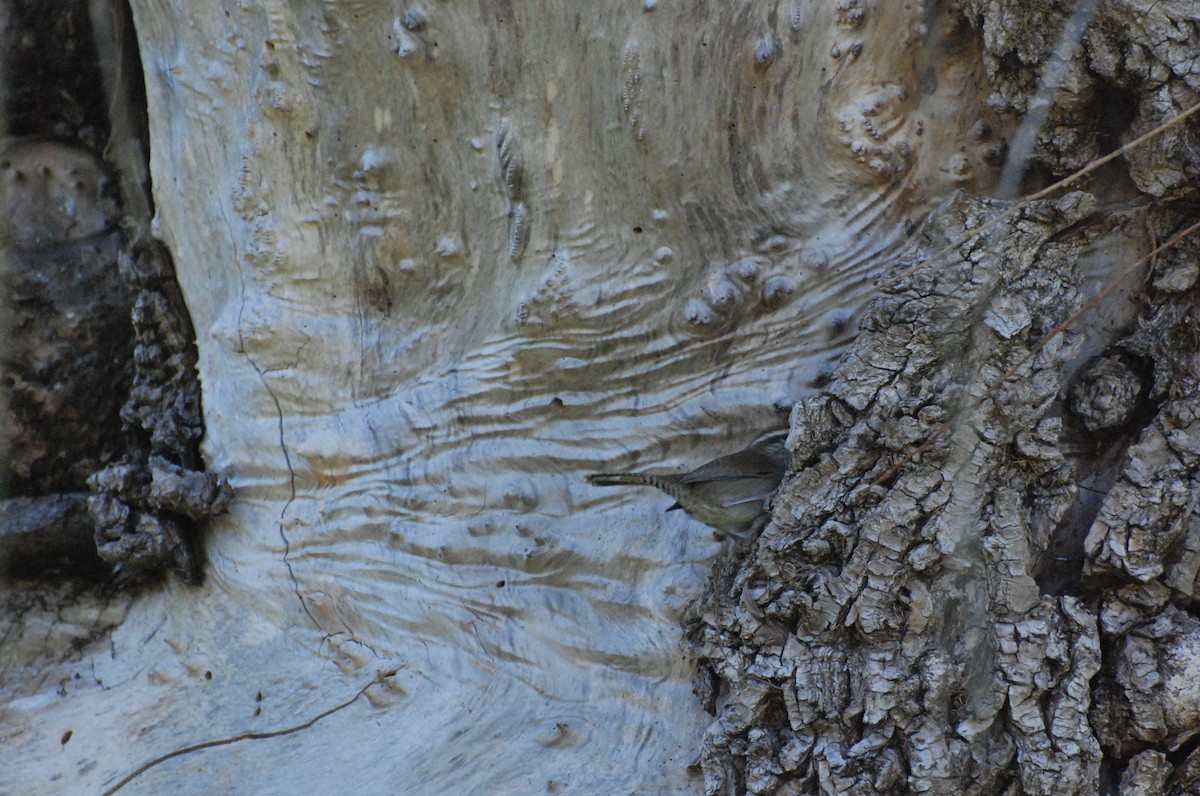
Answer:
(1090, 70)
(903, 644)
(981, 575)
(1145, 541)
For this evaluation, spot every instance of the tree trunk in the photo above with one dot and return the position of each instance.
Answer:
(444, 261)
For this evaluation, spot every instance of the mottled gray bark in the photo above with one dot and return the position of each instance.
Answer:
(981, 575)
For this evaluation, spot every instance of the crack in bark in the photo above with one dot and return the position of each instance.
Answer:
(247, 736)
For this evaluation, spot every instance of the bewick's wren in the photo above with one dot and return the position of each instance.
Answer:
(728, 494)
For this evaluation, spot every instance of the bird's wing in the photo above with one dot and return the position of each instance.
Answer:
(735, 465)
(700, 476)
(760, 498)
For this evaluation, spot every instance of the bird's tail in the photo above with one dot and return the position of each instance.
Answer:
(637, 479)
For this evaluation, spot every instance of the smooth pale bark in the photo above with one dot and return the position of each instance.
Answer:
(442, 262)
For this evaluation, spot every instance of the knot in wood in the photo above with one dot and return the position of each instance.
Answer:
(1106, 394)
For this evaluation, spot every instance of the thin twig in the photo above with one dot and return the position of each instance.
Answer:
(1133, 269)
(1037, 196)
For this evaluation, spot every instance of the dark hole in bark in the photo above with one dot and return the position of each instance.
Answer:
(98, 387)
(1115, 109)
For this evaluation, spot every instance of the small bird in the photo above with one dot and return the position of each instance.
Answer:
(727, 494)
